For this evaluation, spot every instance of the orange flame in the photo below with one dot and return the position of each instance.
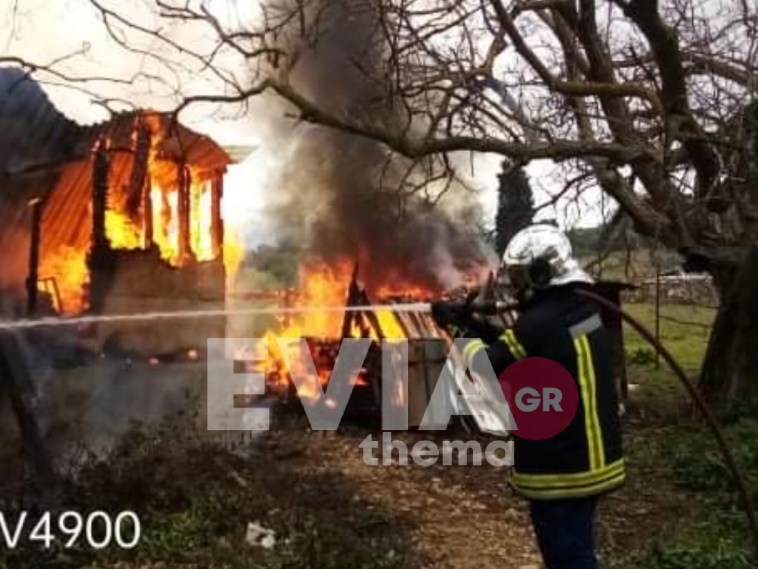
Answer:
(325, 286)
(233, 255)
(126, 229)
(121, 231)
(165, 207)
(201, 221)
(68, 266)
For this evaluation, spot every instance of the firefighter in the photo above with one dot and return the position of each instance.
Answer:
(562, 476)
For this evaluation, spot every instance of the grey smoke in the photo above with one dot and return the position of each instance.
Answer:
(337, 195)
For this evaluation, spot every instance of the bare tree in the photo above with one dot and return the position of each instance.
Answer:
(649, 98)
(515, 204)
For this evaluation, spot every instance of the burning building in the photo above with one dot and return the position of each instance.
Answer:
(117, 217)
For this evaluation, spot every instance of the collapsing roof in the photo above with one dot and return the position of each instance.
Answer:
(35, 135)
(152, 164)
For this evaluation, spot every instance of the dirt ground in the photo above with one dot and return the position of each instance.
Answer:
(197, 492)
(461, 517)
(458, 516)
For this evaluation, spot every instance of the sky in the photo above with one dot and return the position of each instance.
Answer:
(44, 30)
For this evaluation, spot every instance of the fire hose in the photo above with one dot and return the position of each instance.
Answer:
(487, 308)
(479, 307)
(697, 397)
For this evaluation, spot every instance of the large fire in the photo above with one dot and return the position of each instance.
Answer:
(142, 222)
(201, 222)
(326, 287)
(234, 253)
(124, 232)
(324, 291)
(69, 265)
(165, 222)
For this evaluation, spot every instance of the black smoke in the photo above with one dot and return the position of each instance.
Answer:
(342, 196)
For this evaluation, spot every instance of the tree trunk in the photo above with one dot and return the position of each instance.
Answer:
(730, 370)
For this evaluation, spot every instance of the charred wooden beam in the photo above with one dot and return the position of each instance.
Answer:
(370, 315)
(100, 175)
(217, 223)
(32, 293)
(364, 321)
(353, 297)
(140, 169)
(184, 182)
(147, 212)
(101, 260)
(401, 320)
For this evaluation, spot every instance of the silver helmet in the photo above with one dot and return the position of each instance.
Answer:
(540, 256)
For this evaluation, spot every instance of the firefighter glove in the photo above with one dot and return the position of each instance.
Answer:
(449, 314)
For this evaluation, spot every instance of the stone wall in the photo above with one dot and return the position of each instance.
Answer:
(685, 289)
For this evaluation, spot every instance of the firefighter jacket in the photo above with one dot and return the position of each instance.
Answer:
(585, 459)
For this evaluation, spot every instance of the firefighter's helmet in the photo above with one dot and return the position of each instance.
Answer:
(540, 256)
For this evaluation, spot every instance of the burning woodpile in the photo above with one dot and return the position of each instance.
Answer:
(321, 330)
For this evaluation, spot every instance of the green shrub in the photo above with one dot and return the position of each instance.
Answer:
(724, 556)
(698, 465)
(643, 357)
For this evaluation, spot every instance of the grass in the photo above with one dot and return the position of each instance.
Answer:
(707, 528)
(679, 510)
(632, 266)
(700, 522)
(195, 502)
(684, 330)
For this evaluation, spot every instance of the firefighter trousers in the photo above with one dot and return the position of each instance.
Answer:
(565, 532)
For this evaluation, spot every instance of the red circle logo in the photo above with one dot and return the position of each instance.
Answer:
(542, 397)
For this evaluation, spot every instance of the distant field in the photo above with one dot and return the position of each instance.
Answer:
(684, 331)
(638, 265)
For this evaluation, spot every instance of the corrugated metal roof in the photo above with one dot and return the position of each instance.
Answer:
(15, 218)
(67, 219)
(176, 143)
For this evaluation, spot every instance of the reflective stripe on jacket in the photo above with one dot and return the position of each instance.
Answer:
(586, 458)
